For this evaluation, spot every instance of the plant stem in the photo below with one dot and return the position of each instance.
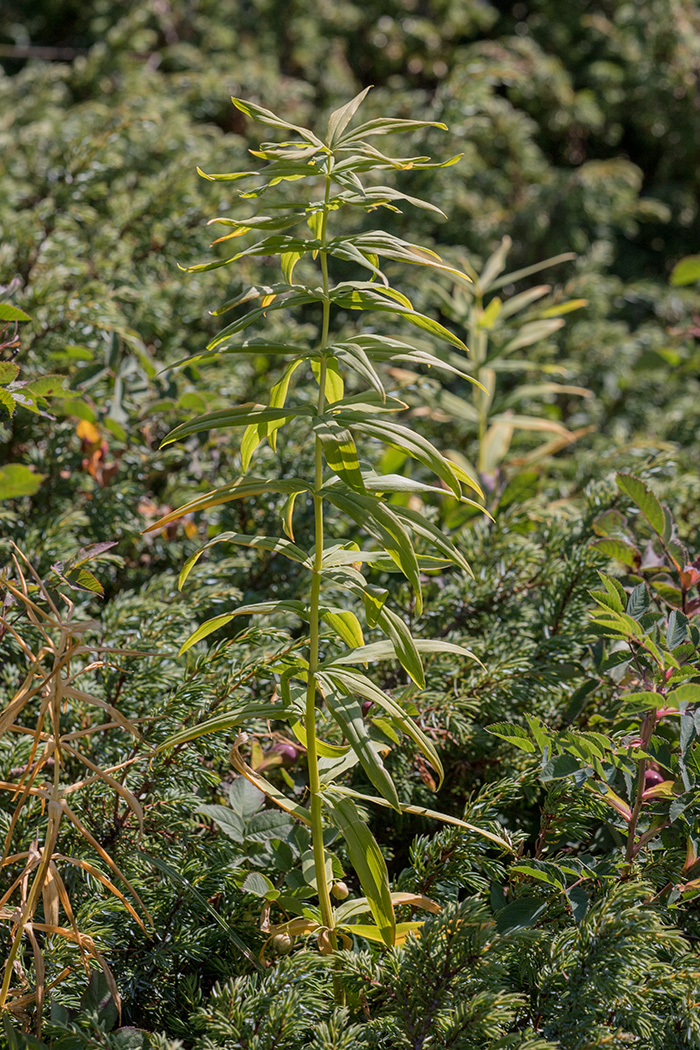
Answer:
(316, 803)
(646, 733)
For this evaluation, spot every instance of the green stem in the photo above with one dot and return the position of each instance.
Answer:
(647, 730)
(316, 802)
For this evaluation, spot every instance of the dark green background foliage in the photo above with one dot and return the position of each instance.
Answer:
(580, 130)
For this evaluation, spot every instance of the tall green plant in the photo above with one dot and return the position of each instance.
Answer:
(499, 326)
(327, 678)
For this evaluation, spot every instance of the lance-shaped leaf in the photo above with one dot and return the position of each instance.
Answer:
(430, 532)
(368, 862)
(365, 299)
(241, 488)
(323, 749)
(340, 452)
(257, 608)
(269, 543)
(280, 245)
(376, 651)
(387, 246)
(241, 416)
(408, 441)
(250, 346)
(227, 720)
(266, 116)
(255, 432)
(360, 905)
(432, 814)
(404, 645)
(388, 126)
(348, 714)
(527, 271)
(354, 356)
(381, 522)
(357, 684)
(384, 196)
(374, 599)
(259, 222)
(340, 118)
(268, 789)
(344, 623)
(279, 302)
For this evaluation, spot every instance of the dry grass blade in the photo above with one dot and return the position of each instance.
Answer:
(105, 856)
(30, 614)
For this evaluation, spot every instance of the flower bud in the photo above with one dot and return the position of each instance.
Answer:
(340, 890)
(652, 777)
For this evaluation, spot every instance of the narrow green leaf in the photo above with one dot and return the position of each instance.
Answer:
(266, 116)
(404, 645)
(257, 608)
(374, 599)
(269, 543)
(241, 488)
(340, 453)
(356, 684)
(432, 814)
(345, 624)
(348, 714)
(241, 416)
(388, 126)
(408, 441)
(368, 861)
(383, 523)
(430, 532)
(385, 651)
(226, 720)
(340, 118)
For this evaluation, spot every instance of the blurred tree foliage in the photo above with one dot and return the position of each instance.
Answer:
(579, 128)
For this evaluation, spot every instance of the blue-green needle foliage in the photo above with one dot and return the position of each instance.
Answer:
(338, 173)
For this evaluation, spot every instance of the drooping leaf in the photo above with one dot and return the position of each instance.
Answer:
(270, 543)
(368, 861)
(348, 714)
(226, 720)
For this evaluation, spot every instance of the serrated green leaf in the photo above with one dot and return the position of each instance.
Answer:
(12, 313)
(645, 499)
(515, 735)
(618, 549)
